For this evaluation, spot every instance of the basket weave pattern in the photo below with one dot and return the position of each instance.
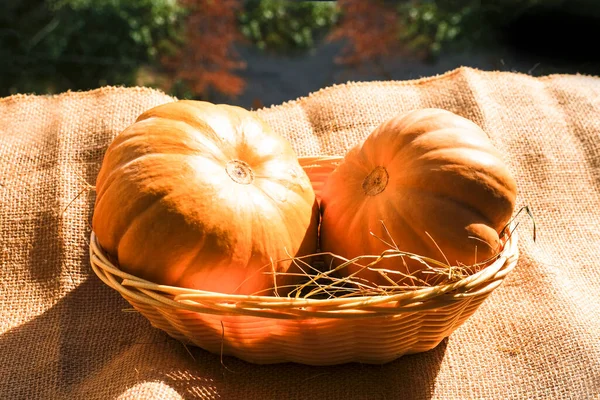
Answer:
(266, 329)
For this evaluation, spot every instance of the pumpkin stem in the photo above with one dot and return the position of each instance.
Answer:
(376, 181)
(240, 172)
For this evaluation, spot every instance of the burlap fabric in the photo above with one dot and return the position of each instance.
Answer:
(64, 334)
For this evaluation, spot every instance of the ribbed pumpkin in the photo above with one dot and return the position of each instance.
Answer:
(434, 180)
(204, 196)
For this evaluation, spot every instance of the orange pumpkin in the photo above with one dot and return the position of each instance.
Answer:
(434, 180)
(204, 196)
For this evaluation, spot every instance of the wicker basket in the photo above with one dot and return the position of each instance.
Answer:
(266, 329)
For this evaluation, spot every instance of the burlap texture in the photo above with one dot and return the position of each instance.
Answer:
(64, 334)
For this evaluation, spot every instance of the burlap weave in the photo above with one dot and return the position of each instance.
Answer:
(64, 334)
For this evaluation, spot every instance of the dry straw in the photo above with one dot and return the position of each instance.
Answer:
(325, 320)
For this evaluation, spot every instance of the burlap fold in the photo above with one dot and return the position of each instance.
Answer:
(64, 334)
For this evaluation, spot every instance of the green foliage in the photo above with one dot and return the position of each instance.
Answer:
(282, 25)
(427, 27)
(55, 45)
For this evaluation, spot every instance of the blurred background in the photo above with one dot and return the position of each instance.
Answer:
(255, 53)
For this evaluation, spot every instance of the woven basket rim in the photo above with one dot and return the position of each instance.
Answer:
(130, 286)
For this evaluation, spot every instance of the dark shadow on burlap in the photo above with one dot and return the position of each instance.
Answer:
(81, 313)
(410, 377)
(37, 167)
(121, 350)
(45, 270)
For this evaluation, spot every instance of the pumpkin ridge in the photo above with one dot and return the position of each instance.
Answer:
(294, 180)
(415, 234)
(356, 221)
(406, 162)
(289, 187)
(274, 204)
(182, 147)
(485, 179)
(108, 181)
(282, 218)
(264, 192)
(152, 205)
(170, 113)
(199, 129)
(489, 153)
(464, 206)
(411, 143)
(193, 260)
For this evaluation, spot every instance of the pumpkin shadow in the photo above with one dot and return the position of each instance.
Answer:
(86, 347)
